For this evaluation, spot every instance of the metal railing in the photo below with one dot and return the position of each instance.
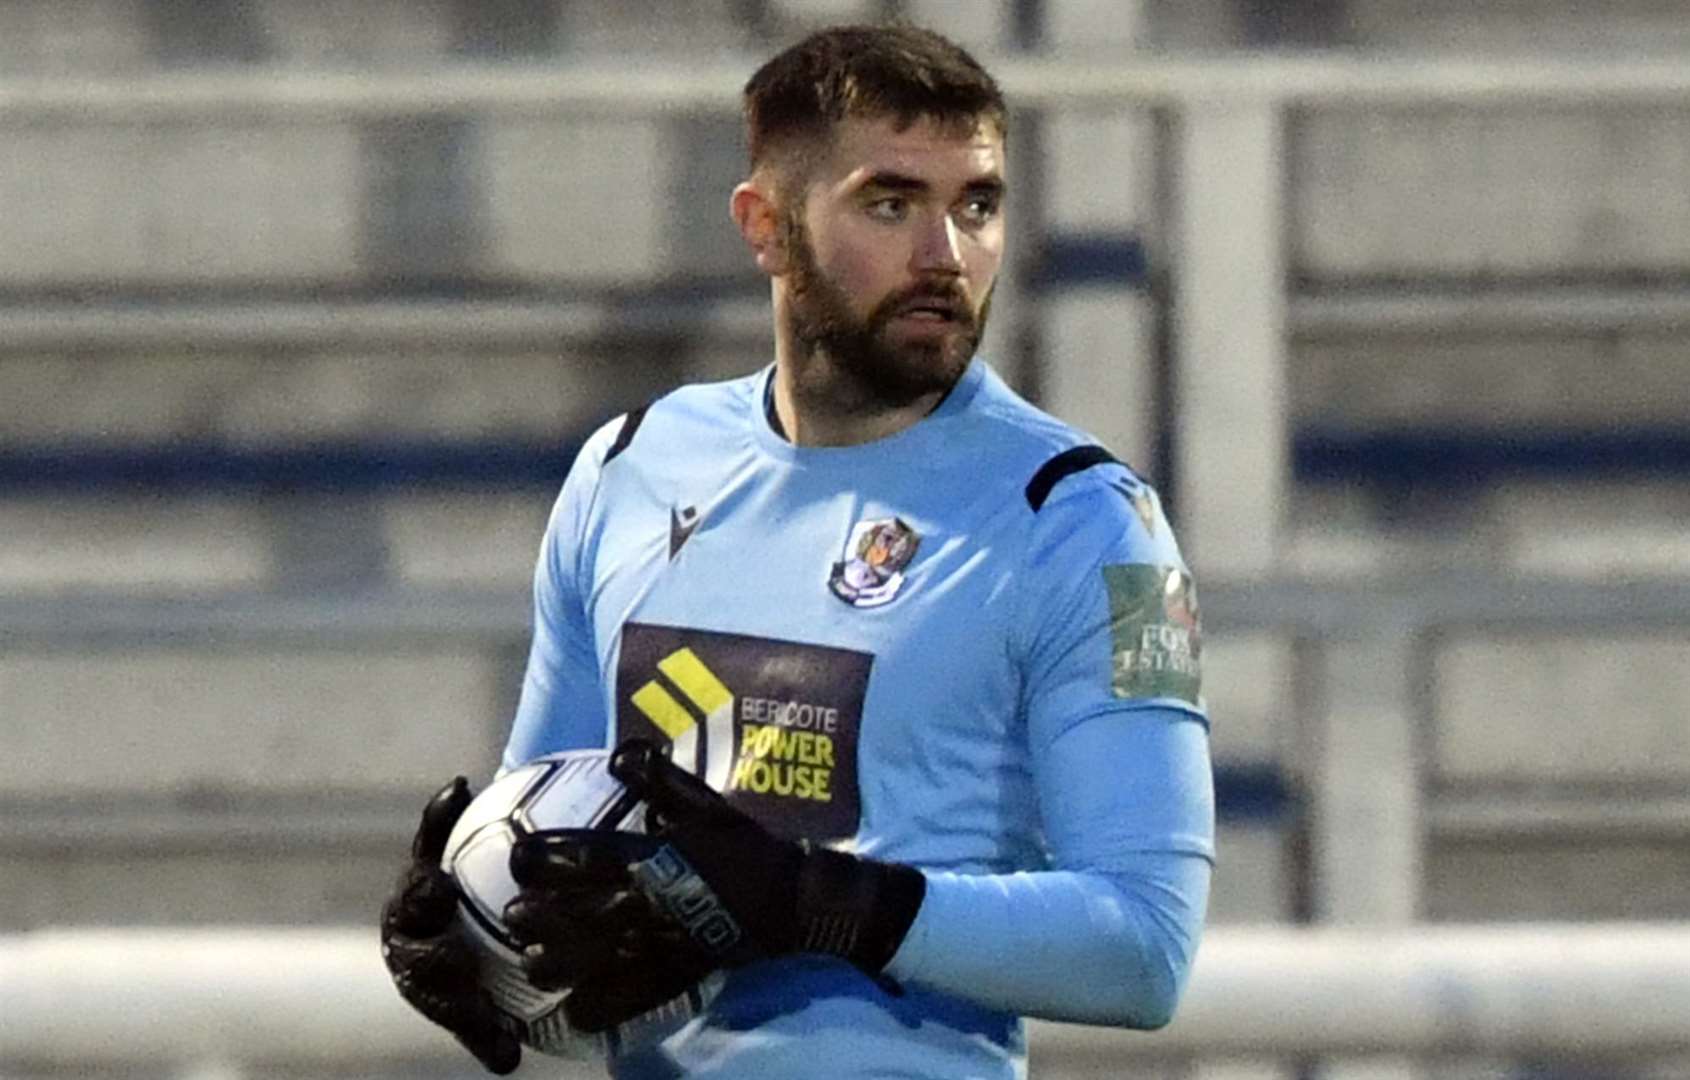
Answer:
(239, 997)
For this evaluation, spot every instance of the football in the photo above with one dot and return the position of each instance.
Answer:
(573, 790)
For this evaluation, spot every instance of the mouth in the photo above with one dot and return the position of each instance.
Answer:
(937, 310)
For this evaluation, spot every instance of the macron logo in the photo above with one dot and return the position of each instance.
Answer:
(681, 524)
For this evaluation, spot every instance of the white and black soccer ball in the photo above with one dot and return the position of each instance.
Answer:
(568, 790)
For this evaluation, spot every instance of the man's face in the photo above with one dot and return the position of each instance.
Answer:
(895, 253)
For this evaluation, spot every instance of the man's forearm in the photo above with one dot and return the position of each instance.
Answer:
(1086, 947)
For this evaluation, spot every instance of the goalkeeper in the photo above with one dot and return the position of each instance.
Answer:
(907, 670)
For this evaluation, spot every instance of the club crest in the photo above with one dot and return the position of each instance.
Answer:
(872, 570)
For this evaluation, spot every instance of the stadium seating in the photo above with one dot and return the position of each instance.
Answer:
(1426, 246)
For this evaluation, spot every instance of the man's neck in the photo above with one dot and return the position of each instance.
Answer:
(817, 405)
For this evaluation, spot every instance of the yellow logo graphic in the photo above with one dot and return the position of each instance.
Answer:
(714, 702)
(786, 748)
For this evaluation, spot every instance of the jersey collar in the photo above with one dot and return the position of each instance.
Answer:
(923, 440)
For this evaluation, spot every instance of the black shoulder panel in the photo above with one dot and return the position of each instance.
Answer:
(1065, 464)
(630, 424)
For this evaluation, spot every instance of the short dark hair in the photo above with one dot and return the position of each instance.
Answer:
(866, 72)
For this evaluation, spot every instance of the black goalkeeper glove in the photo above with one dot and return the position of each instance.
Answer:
(729, 891)
(432, 966)
(584, 927)
(725, 875)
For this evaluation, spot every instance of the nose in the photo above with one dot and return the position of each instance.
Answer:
(939, 246)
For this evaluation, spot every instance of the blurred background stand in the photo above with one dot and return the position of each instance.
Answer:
(305, 307)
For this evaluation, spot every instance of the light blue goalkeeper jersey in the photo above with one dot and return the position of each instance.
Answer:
(972, 647)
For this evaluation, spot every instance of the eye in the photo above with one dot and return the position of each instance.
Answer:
(891, 208)
(977, 210)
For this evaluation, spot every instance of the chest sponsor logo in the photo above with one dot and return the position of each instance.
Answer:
(1155, 631)
(771, 724)
(872, 571)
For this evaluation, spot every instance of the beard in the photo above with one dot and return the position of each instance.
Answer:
(885, 372)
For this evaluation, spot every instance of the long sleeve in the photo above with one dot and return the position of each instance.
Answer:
(1118, 739)
(1108, 935)
(562, 705)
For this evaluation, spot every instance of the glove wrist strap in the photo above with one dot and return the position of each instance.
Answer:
(858, 909)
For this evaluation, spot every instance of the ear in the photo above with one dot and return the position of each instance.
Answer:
(754, 211)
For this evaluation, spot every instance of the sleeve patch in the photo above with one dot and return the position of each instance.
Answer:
(1155, 633)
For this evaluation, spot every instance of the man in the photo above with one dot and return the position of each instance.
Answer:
(937, 650)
